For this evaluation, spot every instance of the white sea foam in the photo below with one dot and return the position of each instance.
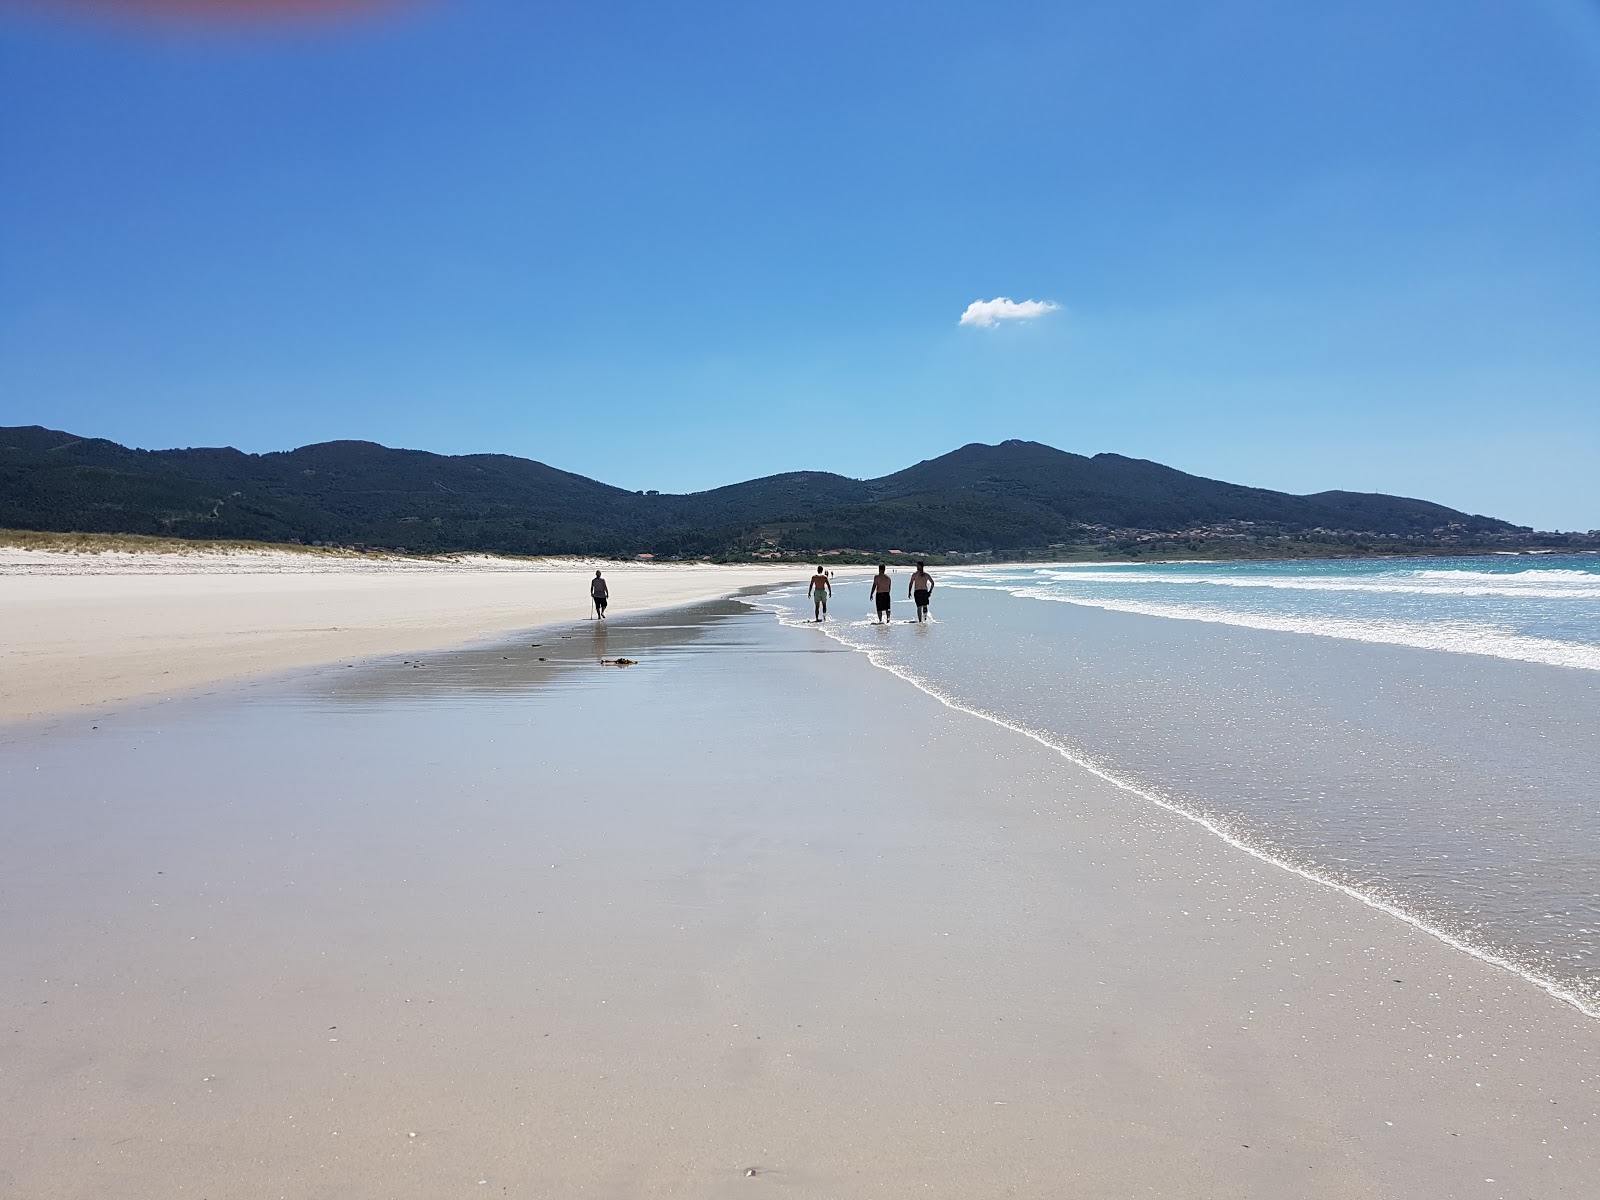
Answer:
(877, 656)
(1456, 637)
(1572, 585)
(1533, 573)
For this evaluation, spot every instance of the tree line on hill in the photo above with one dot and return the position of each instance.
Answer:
(1002, 500)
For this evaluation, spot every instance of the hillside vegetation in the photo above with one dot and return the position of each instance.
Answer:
(1002, 500)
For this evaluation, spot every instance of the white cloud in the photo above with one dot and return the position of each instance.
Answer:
(986, 313)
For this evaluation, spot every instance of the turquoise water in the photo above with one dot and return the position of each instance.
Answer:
(1422, 733)
(1543, 609)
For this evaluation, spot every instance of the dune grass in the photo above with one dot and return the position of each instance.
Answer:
(97, 543)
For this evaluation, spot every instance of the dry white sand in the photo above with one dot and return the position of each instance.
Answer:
(750, 920)
(84, 629)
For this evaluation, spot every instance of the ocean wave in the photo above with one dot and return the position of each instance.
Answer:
(1533, 573)
(1436, 583)
(1455, 637)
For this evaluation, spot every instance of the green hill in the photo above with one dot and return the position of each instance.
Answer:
(1001, 499)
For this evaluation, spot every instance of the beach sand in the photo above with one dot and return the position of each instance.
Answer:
(87, 629)
(751, 917)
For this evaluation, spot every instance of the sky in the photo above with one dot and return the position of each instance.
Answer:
(673, 246)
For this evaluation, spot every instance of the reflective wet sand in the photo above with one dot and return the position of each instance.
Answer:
(748, 917)
(78, 630)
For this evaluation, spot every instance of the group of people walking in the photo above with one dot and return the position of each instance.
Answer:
(919, 590)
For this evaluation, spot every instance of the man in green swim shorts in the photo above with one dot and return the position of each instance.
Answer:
(819, 591)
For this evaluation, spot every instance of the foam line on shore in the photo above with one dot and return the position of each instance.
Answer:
(1210, 824)
(1449, 637)
(1576, 585)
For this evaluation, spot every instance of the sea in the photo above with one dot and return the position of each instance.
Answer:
(1421, 735)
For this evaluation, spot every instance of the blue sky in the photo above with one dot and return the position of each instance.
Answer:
(671, 246)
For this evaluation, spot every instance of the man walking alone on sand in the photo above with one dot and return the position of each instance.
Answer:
(881, 587)
(921, 588)
(599, 593)
(819, 591)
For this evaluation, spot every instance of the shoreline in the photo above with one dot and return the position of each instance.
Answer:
(653, 587)
(1374, 842)
(1218, 830)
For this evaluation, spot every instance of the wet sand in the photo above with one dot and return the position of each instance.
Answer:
(749, 918)
(86, 629)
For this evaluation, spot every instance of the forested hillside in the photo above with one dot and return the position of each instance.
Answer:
(1001, 499)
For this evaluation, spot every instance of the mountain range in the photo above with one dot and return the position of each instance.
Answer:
(1004, 499)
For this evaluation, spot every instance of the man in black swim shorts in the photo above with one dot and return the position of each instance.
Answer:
(881, 586)
(921, 589)
(599, 592)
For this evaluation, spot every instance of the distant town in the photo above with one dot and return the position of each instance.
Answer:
(1230, 540)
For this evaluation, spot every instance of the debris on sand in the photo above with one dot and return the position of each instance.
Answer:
(618, 662)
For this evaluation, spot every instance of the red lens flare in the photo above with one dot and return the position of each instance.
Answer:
(209, 12)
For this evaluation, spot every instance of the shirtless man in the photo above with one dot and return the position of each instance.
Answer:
(880, 593)
(819, 591)
(599, 592)
(921, 588)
